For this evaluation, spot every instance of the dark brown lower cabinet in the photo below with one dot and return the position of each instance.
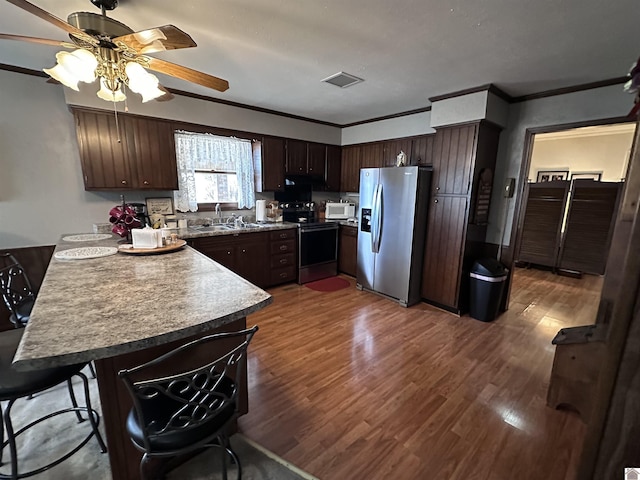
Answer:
(283, 256)
(245, 254)
(442, 267)
(265, 259)
(348, 250)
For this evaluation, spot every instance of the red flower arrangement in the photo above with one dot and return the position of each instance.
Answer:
(123, 218)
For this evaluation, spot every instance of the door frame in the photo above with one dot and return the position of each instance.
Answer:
(508, 254)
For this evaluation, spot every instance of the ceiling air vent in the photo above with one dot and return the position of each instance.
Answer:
(342, 80)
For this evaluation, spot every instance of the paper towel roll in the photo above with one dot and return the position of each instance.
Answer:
(261, 210)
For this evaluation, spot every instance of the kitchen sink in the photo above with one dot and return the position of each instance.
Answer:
(212, 228)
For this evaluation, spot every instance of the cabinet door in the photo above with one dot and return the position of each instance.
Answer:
(372, 155)
(348, 250)
(155, 153)
(252, 259)
(333, 168)
(220, 249)
(422, 150)
(296, 157)
(454, 155)
(443, 252)
(316, 159)
(273, 160)
(392, 149)
(350, 168)
(103, 151)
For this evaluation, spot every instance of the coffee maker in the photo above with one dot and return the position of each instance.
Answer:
(141, 212)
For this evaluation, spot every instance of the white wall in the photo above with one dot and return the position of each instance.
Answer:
(608, 153)
(213, 114)
(595, 104)
(41, 190)
(407, 126)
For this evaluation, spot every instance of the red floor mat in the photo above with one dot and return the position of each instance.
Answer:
(330, 284)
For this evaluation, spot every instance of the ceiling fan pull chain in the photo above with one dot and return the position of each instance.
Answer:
(115, 112)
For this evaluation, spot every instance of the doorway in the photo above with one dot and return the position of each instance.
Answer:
(573, 182)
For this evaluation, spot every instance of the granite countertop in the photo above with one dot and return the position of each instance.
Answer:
(101, 307)
(224, 229)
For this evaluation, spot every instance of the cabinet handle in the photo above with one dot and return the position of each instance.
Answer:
(283, 261)
(145, 183)
(283, 275)
(123, 182)
(435, 201)
(438, 188)
(244, 251)
(283, 235)
(228, 252)
(283, 248)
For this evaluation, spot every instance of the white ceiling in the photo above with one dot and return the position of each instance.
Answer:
(274, 53)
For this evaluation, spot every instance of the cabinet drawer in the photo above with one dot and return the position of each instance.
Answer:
(286, 260)
(283, 235)
(286, 246)
(282, 275)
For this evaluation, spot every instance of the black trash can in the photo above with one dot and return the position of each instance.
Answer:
(488, 277)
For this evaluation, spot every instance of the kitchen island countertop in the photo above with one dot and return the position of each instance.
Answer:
(103, 307)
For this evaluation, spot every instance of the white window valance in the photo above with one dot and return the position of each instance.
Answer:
(205, 151)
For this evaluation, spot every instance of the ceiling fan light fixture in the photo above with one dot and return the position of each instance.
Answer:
(64, 76)
(73, 67)
(142, 82)
(109, 95)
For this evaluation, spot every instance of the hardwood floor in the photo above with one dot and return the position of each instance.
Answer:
(349, 385)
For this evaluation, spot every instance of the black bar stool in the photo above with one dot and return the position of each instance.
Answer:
(177, 413)
(16, 384)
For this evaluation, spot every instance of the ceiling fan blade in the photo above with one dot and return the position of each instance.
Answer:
(42, 41)
(157, 39)
(186, 73)
(48, 17)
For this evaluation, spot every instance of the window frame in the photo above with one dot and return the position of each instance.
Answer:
(210, 207)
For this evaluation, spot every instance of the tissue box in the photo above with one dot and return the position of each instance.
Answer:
(145, 238)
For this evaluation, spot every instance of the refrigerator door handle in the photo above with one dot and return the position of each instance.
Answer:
(377, 219)
(373, 218)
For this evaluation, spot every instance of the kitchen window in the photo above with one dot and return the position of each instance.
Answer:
(212, 170)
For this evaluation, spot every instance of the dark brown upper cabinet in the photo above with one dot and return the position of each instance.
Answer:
(273, 164)
(134, 153)
(371, 155)
(453, 159)
(316, 159)
(334, 153)
(296, 157)
(391, 150)
(422, 150)
(350, 168)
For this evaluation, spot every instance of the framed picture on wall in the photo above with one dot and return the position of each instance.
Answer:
(162, 206)
(586, 175)
(552, 175)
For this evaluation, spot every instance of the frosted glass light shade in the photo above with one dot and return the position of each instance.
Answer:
(64, 76)
(73, 67)
(105, 93)
(142, 82)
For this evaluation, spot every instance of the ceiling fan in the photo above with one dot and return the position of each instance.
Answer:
(110, 51)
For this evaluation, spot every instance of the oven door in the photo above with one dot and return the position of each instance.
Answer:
(317, 253)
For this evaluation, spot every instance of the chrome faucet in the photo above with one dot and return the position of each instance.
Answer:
(218, 212)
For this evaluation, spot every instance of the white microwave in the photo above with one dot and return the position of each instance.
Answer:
(339, 210)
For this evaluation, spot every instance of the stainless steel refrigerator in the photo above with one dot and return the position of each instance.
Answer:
(391, 231)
